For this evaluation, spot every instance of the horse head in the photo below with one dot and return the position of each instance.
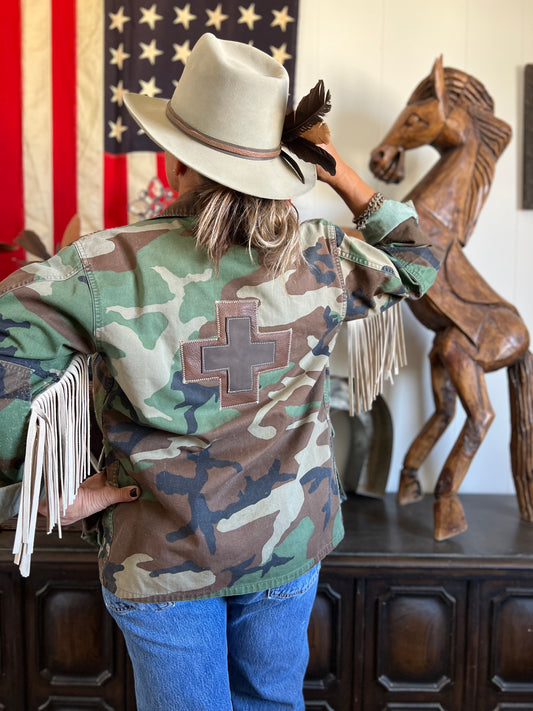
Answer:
(419, 124)
(453, 112)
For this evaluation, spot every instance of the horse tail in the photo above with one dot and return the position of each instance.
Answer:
(520, 376)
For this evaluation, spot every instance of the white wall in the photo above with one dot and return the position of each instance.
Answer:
(371, 56)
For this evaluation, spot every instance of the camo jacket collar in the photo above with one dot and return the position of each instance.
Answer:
(183, 206)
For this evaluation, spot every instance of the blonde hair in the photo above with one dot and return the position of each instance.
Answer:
(227, 217)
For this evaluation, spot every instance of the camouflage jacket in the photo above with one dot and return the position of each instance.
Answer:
(211, 390)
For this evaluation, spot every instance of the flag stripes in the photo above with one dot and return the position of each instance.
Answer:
(11, 179)
(63, 44)
(37, 159)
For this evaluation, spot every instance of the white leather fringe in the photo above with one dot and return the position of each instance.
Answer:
(376, 352)
(57, 451)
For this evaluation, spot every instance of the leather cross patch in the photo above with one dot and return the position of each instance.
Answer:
(238, 354)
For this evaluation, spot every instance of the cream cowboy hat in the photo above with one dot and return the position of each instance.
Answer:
(225, 120)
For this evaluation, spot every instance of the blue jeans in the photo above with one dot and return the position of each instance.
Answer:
(236, 653)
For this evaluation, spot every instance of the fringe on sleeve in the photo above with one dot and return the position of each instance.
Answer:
(57, 453)
(376, 351)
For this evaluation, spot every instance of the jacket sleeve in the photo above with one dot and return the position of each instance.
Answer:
(46, 317)
(395, 261)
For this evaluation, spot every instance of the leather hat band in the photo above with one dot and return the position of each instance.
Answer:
(230, 148)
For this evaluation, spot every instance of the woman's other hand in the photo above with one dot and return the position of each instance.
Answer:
(95, 494)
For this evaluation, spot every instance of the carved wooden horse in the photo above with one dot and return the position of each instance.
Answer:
(476, 330)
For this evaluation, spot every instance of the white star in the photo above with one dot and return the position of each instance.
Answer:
(118, 20)
(281, 17)
(216, 17)
(149, 88)
(118, 93)
(248, 16)
(150, 16)
(184, 16)
(280, 53)
(150, 52)
(119, 55)
(182, 52)
(117, 129)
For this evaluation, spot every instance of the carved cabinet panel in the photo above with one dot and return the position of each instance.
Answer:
(414, 631)
(506, 659)
(60, 649)
(11, 643)
(75, 649)
(328, 681)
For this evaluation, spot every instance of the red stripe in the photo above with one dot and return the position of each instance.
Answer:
(162, 174)
(64, 113)
(115, 190)
(11, 177)
(161, 170)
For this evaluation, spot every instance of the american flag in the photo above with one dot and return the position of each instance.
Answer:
(68, 145)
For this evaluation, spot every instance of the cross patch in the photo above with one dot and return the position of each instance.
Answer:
(237, 356)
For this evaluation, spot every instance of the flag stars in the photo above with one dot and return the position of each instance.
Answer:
(124, 51)
(184, 16)
(148, 88)
(118, 20)
(117, 129)
(119, 56)
(248, 16)
(150, 16)
(280, 53)
(150, 51)
(281, 18)
(216, 17)
(118, 93)
(182, 52)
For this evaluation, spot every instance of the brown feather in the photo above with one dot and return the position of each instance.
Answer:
(72, 231)
(289, 160)
(309, 152)
(31, 242)
(318, 134)
(310, 111)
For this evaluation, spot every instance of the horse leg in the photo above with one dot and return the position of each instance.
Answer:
(469, 380)
(444, 394)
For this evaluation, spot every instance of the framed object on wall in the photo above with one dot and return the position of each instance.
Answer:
(527, 201)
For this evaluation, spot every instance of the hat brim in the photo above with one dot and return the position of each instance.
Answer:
(272, 178)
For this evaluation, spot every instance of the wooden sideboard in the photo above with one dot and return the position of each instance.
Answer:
(401, 622)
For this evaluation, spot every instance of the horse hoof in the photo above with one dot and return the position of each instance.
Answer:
(409, 489)
(448, 517)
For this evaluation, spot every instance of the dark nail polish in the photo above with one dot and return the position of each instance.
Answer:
(133, 493)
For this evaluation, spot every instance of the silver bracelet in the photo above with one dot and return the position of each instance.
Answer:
(376, 201)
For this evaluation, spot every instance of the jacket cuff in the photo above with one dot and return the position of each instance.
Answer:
(388, 217)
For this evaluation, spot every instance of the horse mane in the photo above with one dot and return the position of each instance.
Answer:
(494, 134)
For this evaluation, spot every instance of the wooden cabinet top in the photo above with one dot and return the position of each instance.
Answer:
(383, 533)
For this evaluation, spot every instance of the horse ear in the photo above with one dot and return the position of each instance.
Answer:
(437, 75)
